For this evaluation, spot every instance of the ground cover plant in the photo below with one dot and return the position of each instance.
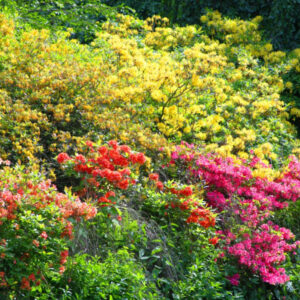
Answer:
(151, 161)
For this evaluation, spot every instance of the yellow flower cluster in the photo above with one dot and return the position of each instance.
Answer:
(143, 83)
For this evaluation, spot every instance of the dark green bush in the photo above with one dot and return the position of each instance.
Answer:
(281, 18)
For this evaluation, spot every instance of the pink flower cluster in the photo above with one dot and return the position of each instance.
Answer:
(234, 279)
(248, 200)
(264, 249)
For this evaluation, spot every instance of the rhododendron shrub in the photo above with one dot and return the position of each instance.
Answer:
(182, 201)
(104, 171)
(246, 200)
(35, 227)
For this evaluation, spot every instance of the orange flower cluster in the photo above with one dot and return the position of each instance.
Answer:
(197, 213)
(26, 196)
(104, 168)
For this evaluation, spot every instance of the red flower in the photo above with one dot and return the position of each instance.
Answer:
(160, 185)
(113, 144)
(31, 277)
(36, 243)
(64, 253)
(25, 284)
(80, 158)
(137, 158)
(213, 241)
(154, 176)
(102, 150)
(89, 144)
(62, 157)
(123, 184)
(141, 159)
(185, 205)
(188, 191)
(63, 256)
(125, 148)
(110, 194)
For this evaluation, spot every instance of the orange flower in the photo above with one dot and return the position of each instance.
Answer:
(25, 284)
(214, 240)
(36, 243)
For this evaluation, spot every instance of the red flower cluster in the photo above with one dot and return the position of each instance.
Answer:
(63, 157)
(104, 201)
(196, 213)
(8, 205)
(21, 193)
(104, 168)
(185, 192)
(154, 176)
(214, 240)
(3, 282)
(202, 217)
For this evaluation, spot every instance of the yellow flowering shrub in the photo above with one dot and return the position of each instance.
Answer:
(144, 83)
(237, 34)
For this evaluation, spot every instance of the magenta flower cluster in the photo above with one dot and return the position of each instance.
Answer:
(247, 202)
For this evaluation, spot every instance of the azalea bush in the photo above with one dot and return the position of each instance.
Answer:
(180, 219)
(103, 170)
(246, 197)
(35, 230)
(176, 164)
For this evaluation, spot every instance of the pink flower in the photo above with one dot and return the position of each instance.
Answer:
(234, 279)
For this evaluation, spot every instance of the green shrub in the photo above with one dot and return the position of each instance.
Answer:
(34, 229)
(119, 276)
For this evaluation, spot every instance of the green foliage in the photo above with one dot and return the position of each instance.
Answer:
(33, 231)
(280, 17)
(84, 17)
(118, 276)
(203, 281)
(289, 218)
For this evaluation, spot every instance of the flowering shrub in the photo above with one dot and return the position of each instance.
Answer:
(247, 201)
(150, 87)
(182, 198)
(152, 96)
(34, 229)
(106, 168)
(104, 171)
